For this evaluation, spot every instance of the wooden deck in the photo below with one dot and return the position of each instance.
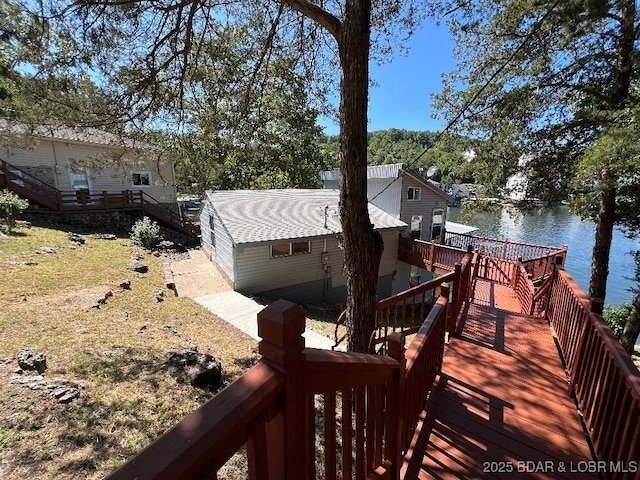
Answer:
(500, 408)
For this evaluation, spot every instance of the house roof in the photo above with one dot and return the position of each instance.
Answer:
(392, 170)
(453, 227)
(373, 171)
(86, 135)
(252, 216)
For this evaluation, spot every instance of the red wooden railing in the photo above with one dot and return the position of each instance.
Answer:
(502, 248)
(48, 196)
(271, 409)
(422, 360)
(405, 312)
(300, 419)
(604, 380)
(427, 255)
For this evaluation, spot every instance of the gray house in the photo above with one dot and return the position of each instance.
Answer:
(417, 202)
(406, 196)
(283, 243)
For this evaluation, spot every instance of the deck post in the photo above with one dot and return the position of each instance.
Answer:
(394, 417)
(456, 299)
(281, 325)
(444, 292)
(596, 305)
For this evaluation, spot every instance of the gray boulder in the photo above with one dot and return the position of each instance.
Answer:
(27, 360)
(196, 369)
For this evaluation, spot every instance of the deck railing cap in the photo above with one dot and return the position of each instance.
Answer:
(281, 325)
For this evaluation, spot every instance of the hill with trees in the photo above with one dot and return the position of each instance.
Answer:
(417, 150)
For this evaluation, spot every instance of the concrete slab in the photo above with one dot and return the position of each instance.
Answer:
(242, 312)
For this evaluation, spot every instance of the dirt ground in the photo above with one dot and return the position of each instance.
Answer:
(196, 276)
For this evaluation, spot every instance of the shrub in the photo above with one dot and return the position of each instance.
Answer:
(146, 233)
(616, 318)
(11, 207)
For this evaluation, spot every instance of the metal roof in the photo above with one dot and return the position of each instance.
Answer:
(266, 215)
(453, 227)
(374, 171)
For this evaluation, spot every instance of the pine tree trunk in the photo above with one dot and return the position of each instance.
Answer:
(602, 245)
(362, 246)
(632, 327)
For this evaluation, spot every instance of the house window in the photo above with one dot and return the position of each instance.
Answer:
(286, 249)
(413, 193)
(141, 179)
(436, 224)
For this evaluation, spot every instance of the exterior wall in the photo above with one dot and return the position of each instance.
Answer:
(428, 202)
(302, 277)
(331, 184)
(50, 161)
(223, 251)
(389, 199)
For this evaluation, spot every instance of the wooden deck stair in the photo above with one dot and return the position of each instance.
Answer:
(500, 407)
(48, 196)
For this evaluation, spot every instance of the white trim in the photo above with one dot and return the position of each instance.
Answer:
(416, 195)
(291, 252)
(141, 173)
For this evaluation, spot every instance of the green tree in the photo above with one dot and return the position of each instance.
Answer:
(158, 44)
(552, 82)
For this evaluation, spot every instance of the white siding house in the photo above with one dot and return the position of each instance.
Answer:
(72, 159)
(283, 243)
(405, 195)
(420, 204)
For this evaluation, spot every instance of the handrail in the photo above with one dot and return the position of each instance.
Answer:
(50, 197)
(272, 409)
(405, 312)
(28, 186)
(523, 286)
(604, 380)
(501, 248)
(423, 360)
(203, 441)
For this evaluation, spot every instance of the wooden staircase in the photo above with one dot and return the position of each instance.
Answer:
(47, 196)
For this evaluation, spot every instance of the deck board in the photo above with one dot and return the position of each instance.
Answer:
(502, 397)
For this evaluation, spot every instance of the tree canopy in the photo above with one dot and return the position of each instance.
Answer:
(145, 57)
(550, 87)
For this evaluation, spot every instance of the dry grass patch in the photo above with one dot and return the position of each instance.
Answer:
(115, 352)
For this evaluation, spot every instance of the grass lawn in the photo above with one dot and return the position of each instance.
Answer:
(115, 352)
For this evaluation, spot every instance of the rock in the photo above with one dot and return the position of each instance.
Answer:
(64, 390)
(125, 284)
(47, 250)
(196, 369)
(138, 266)
(166, 245)
(159, 295)
(171, 329)
(103, 236)
(75, 238)
(34, 382)
(27, 360)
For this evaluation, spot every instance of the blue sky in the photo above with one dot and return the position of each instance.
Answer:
(401, 98)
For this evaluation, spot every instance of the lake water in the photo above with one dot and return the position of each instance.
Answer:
(556, 227)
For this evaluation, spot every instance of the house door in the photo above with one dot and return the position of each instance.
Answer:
(416, 227)
(81, 185)
(437, 222)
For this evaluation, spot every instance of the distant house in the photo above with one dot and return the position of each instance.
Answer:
(460, 190)
(283, 243)
(87, 161)
(406, 196)
(410, 198)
